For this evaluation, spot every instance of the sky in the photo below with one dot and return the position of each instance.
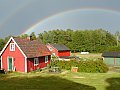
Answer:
(25, 16)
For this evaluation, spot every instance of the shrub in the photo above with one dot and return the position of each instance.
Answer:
(88, 66)
(38, 70)
(63, 64)
(92, 66)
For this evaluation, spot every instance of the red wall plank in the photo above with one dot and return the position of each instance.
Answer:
(64, 53)
(19, 59)
(42, 64)
(58, 53)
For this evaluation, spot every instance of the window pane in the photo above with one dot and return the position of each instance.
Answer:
(36, 61)
(46, 59)
(12, 47)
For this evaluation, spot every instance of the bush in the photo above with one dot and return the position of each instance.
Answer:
(38, 70)
(63, 64)
(88, 66)
(92, 66)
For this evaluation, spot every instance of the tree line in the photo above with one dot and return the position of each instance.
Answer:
(96, 41)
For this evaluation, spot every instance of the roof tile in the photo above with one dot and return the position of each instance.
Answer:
(32, 48)
(111, 54)
(60, 47)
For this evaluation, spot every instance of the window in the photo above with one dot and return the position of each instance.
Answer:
(50, 49)
(36, 61)
(46, 59)
(12, 46)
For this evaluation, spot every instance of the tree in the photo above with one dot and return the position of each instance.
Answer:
(97, 40)
(33, 36)
(2, 44)
(40, 36)
(6, 39)
(24, 36)
(117, 35)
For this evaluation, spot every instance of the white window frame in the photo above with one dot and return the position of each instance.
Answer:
(50, 48)
(12, 46)
(36, 60)
(46, 59)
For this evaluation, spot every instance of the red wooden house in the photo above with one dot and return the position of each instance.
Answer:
(59, 50)
(24, 55)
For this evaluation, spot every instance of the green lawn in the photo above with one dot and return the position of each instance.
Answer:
(63, 81)
(90, 55)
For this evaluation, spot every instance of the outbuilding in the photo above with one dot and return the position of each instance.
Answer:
(59, 50)
(111, 58)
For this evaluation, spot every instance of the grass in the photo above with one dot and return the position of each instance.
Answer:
(90, 55)
(63, 81)
(101, 81)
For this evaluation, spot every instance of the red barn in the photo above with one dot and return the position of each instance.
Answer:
(59, 50)
(24, 55)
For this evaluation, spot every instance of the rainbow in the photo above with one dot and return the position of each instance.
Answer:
(32, 28)
(14, 12)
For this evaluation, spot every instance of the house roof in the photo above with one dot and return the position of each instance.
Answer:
(111, 54)
(32, 48)
(60, 47)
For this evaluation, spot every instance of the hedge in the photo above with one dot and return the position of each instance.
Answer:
(88, 66)
(92, 66)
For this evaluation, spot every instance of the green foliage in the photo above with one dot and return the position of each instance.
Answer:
(113, 49)
(6, 39)
(40, 36)
(24, 36)
(63, 64)
(88, 66)
(81, 40)
(2, 43)
(93, 41)
(33, 36)
(38, 70)
(92, 66)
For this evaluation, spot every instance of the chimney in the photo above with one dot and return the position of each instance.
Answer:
(29, 38)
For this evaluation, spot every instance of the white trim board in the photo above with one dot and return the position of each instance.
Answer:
(25, 64)
(5, 46)
(8, 63)
(18, 48)
(15, 44)
(1, 63)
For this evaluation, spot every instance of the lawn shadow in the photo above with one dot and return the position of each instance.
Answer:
(114, 84)
(41, 83)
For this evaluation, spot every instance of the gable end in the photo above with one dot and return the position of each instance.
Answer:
(15, 44)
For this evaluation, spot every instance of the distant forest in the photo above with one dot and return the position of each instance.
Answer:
(94, 41)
